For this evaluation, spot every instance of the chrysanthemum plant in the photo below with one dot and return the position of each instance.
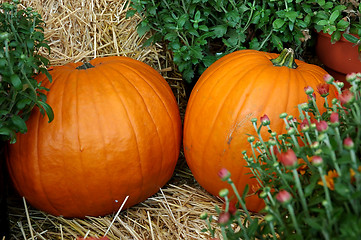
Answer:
(310, 177)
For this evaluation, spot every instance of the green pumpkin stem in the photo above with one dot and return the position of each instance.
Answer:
(286, 59)
(85, 66)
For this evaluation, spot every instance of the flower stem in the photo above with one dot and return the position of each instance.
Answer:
(327, 194)
(240, 223)
(294, 220)
(240, 200)
(333, 156)
(272, 230)
(300, 192)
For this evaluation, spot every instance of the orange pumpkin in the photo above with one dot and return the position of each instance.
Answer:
(116, 132)
(236, 88)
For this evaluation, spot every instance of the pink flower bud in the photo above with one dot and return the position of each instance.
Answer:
(283, 197)
(334, 117)
(317, 160)
(224, 174)
(232, 209)
(346, 97)
(348, 143)
(224, 217)
(328, 78)
(308, 90)
(321, 126)
(288, 158)
(304, 124)
(351, 77)
(323, 89)
(265, 120)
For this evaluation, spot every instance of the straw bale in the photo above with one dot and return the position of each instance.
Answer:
(172, 213)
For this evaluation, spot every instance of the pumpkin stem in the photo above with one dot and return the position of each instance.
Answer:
(286, 58)
(85, 66)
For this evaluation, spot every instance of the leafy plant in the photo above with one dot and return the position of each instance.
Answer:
(198, 32)
(310, 177)
(21, 38)
(339, 18)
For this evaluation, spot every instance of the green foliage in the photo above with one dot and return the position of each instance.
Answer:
(21, 38)
(334, 18)
(198, 32)
(310, 177)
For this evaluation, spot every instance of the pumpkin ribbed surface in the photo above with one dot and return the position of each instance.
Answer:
(116, 132)
(236, 88)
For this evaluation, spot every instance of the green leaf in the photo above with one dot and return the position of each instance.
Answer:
(142, 29)
(335, 36)
(47, 74)
(351, 38)
(322, 22)
(203, 28)
(334, 16)
(48, 110)
(172, 36)
(342, 25)
(30, 43)
(174, 45)
(188, 74)
(313, 222)
(16, 82)
(182, 20)
(19, 123)
(9, 134)
(278, 23)
(292, 15)
(22, 103)
(219, 30)
(130, 13)
(3, 62)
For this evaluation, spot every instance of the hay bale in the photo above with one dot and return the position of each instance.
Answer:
(84, 29)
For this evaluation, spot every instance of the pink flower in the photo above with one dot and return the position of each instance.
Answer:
(224, 174)
(321, 126)
(283, 197)
(323, 89)
(224, 217)
(232, 209)
(308, 90)
(334, 117)
(317, 160)
(288, 158)
(348, 143)
(346, 97)
(304, 124)
(265, 120)
(351, 77)
(328, 78)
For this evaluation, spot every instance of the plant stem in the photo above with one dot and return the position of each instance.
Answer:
(240, 223)
(294, 220)
(243, 204)
(272, 230)
(300, 192)
(327, 194)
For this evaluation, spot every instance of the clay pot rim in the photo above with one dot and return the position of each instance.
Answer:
(342, 39)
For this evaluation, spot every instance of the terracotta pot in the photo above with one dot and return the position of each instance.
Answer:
(339, 58)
